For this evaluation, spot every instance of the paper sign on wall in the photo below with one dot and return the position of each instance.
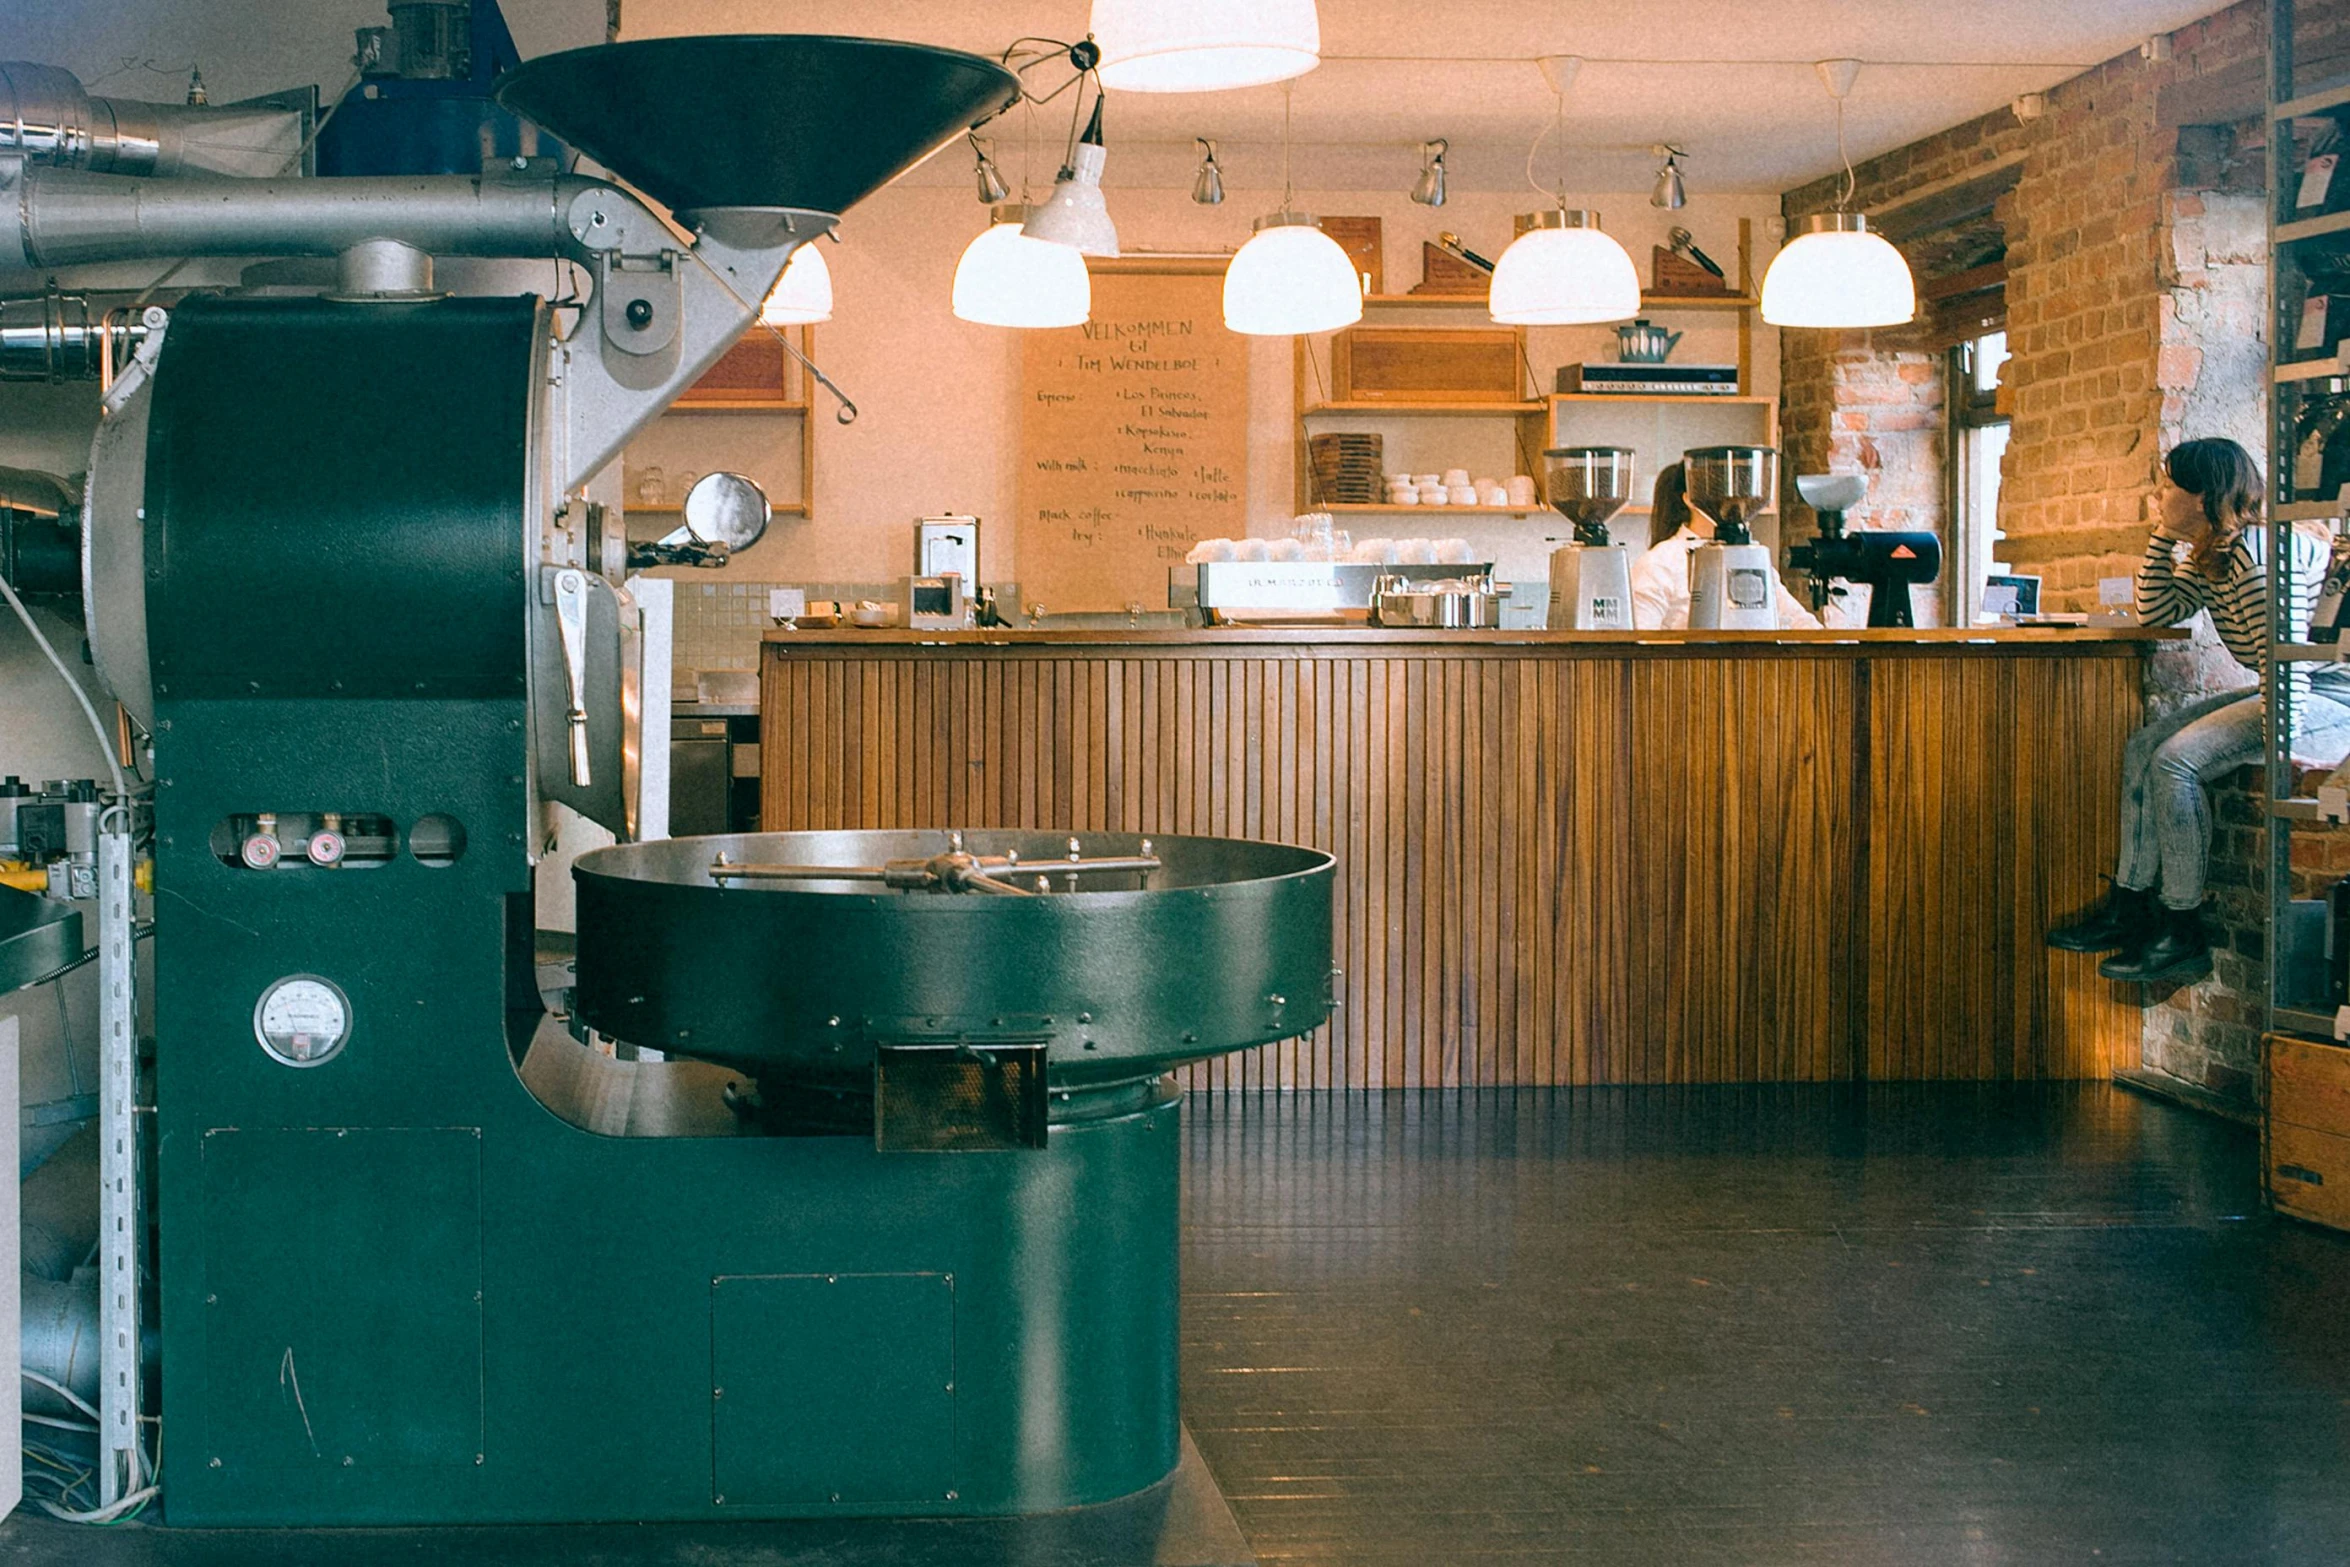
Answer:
(1133, 440)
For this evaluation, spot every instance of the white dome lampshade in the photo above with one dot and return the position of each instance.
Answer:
(1564, 271)
(1075, 214)
(1007, 279)
(1204, 45)
(1291, 278)
(1838, 274)
(803, 293)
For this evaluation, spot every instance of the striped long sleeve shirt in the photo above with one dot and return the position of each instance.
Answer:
(2169, 593)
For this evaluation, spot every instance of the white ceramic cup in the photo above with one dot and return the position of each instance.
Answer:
(1461, 494)
(1455, 477)
(1522, 491)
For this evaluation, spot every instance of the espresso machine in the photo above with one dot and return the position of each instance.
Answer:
(1731, 587)
(1590, 578)
(1889, 563)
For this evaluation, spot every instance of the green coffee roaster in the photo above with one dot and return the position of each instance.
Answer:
(844, 1182)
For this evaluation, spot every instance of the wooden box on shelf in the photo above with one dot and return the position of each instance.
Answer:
(1442, 272)
(2305, 1130)
(755, 373)
(1426, 365)
(1359, 238)
(1677, 275)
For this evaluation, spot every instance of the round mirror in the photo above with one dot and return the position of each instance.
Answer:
(728, 509)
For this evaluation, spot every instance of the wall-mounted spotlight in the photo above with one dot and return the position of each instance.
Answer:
(992, 189)
(2030, 106)
(1429, 191)
(1207, 186)
(1669, 192)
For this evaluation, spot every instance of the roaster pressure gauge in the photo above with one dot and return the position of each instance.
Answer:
(303, 1020)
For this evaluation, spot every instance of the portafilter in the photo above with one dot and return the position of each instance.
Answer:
(1588, 485)
(1732, 485)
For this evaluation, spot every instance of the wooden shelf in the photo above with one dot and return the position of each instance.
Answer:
(1424, 301)
(1659, 397)
(2308, 370)
(2313, 228)
(2313, 652)
(2319, 1025)
(1359, 508)
(786, 407)
(2310, 511)
(1458, 410)
(2312, 103)
(1649, 300)
(635, 509)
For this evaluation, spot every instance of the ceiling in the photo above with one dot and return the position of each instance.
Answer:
(1729, 80)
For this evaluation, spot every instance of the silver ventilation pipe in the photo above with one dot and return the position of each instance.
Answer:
(47, 115)
(65, 217)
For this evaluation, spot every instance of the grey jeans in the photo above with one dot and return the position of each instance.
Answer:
(2166, 813)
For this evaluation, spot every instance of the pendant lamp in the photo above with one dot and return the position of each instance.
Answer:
(1204, 45)
(803, 293)
(1290, 277)
(1836, 273)
(1564, 270)
(1008, 279)
(1075, 214)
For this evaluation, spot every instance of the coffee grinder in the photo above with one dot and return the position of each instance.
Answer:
(1890, 563)
(1730, 583)
(1590, 578)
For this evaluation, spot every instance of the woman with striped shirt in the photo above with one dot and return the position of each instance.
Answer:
(2209, 509)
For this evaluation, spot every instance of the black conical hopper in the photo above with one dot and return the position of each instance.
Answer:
(772, 120)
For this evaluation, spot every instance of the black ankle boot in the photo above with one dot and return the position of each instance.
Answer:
(2124, 918)
(2178, 953)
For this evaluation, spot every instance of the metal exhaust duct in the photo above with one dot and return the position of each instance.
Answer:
(46, 114)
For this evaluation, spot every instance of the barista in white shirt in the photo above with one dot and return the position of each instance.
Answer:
(1660, 577)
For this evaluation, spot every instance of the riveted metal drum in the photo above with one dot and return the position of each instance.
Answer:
(795, 956)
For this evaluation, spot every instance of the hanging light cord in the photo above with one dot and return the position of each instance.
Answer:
(1288, 106)
(1534, 149)
(1844, 202)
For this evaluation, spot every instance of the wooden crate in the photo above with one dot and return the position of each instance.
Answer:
(1359, 238)
(1371, 364)
(2305, 1134)
(1442, 272)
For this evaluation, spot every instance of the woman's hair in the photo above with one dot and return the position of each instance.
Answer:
(1670, 504)
(2222, 475)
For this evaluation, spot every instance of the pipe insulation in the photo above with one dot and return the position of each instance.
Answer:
(65, 217)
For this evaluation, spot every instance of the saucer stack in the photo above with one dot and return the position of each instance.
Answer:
(1346, 468)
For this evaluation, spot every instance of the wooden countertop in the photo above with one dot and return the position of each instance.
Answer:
(2035, 641)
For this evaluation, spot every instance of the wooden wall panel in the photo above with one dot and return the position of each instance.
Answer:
(1556, 866)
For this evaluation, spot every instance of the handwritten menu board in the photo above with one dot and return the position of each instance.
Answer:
(1133, 438)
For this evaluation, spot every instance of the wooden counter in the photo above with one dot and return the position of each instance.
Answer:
(1647, 857)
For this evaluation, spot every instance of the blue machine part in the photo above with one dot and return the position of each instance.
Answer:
(412, 124)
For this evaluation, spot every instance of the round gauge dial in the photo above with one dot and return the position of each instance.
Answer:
(303, 1020)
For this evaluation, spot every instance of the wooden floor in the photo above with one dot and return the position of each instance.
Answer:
(1908, 1326)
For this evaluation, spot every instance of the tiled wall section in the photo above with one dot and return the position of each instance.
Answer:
(720, 620)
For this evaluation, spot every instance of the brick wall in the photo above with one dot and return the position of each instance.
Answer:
(2105, 314)
(2136, 282)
